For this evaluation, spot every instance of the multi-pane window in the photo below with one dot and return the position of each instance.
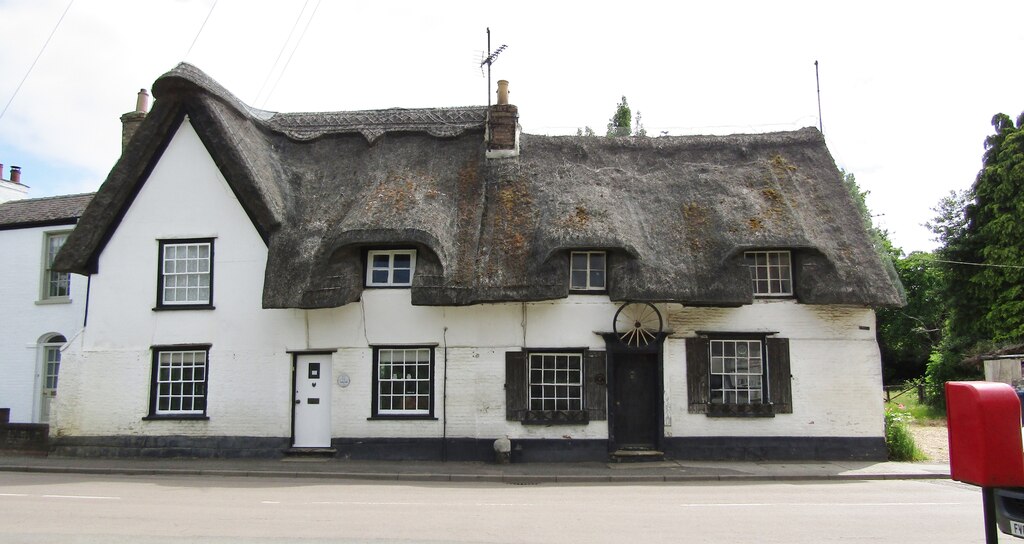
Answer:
(51, 368)
(51, 362)
(392, 268)
(587, 271)
(186, 273)
(55, 284)
(737, 372)
(771, 272)
(556, 381)
(179, 381)
(404, 384)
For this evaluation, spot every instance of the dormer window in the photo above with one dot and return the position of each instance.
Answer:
(587, 271)
(771, 272)
(390, 268)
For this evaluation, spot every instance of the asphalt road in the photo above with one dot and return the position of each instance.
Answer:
(72, 508)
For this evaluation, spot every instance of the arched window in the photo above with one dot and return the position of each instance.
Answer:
(51, 361)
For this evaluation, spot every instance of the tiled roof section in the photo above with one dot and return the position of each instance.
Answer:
(41, 211)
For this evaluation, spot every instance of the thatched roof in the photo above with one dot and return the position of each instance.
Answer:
(41, 212)
(674, 213)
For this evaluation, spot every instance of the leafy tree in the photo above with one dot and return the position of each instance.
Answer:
(981, 258)
(984, 228)
(906, 335)
(621, 122)
(995, 220)
(585, 131)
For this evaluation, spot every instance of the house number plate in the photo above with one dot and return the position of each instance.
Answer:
(344, 380)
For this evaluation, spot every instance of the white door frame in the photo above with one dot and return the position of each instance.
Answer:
(312, 382)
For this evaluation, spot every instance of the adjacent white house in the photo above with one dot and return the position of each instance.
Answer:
(416, 283)
(40, 308)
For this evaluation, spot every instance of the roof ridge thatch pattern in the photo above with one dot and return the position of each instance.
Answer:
(674, 213)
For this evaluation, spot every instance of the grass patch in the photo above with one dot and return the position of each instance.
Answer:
(922, 413)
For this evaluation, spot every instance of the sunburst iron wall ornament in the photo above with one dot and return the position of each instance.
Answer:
(637, 324)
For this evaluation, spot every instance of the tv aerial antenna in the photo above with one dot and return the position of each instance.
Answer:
(489, 60)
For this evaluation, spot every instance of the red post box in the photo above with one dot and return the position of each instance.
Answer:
(984, 434)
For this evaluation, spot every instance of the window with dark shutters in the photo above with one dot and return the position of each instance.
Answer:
(596, 385)
(699, 371)
(780, 390)
(517, 391)
(516, 383)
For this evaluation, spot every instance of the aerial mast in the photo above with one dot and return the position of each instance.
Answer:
(489, 60)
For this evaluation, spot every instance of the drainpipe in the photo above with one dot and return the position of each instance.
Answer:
(444, 400)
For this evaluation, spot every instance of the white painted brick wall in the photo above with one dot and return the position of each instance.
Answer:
(24, 322)
(835, 363)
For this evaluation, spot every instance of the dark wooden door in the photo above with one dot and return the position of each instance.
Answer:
(635, 409)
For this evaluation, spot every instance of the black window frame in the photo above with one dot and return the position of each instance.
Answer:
(778, 377)
(154, 395)
(594, 389)
(160, 304)
(589, 291)
(375, 413)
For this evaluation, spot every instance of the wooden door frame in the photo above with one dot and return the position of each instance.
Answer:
(615, 349)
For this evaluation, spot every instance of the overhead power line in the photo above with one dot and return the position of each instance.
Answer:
(30, 68)
(986, 265)
(292, 54)
(281, 52)
(201, 27)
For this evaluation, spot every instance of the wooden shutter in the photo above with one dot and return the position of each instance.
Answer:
(516, 382)
(595, 385)
(780, 391)
(698, 381)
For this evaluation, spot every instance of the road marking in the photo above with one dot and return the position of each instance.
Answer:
(373, 503)
(13, 494)
(807, 504)
(88, 497)
(270, 502)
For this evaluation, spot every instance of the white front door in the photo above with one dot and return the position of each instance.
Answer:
(312, 401)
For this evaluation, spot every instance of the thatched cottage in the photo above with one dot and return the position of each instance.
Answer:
(417, 283)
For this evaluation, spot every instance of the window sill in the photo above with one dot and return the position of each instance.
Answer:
(397, 417)
(588, 291)
(555, 417)
(740, 410)
(54, 300)
(184, 307)
(176, 417)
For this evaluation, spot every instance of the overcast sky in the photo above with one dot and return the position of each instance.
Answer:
(908, 89)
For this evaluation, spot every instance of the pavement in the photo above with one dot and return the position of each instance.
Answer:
(520, 473)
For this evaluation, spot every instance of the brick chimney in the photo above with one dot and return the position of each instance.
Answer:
(502, 126)
(12, 189)
(130, 121)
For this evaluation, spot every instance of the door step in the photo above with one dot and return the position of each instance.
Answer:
(637, 456)
(310, 453)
